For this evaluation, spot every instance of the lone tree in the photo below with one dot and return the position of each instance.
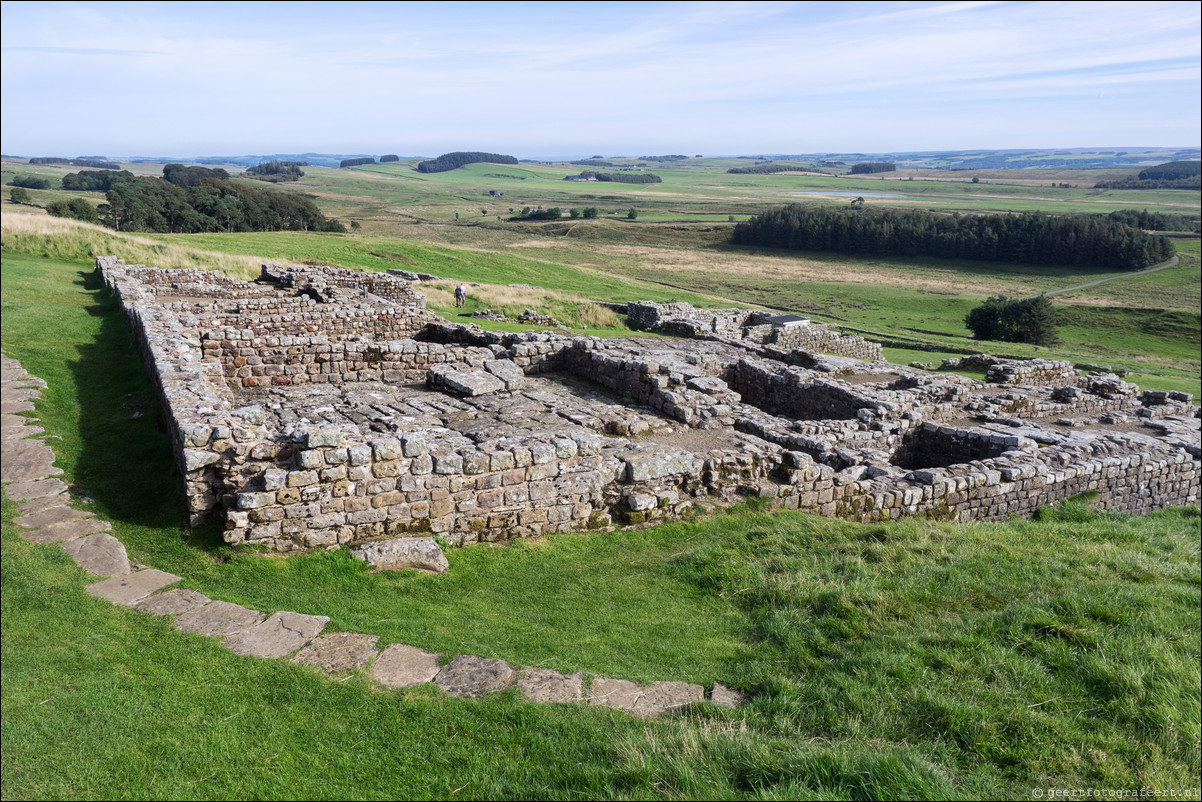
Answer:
(1030, 320)
(19, 195)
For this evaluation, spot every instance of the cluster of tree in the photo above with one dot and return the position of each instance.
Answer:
(674, 157)
(20, 195)
(184, 176)
(75, 208)
(1030, 320)
(212, 204)
(29, 182)
(527, 213)
(277, 171)
(356, 162)
(1171, 175)
(1155, 221)
(762, 169)
(1170, 171)
(95, 180)
(623, 178)
(1028, 238)
(594, 162)
(389, 157)
(449, 161)
(873, 167)
(103, 165)
(1131, 182)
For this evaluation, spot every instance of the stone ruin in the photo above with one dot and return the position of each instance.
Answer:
(317, 407)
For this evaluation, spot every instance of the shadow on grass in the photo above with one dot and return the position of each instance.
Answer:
(125, 461)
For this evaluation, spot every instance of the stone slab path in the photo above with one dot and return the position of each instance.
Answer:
(48, 516)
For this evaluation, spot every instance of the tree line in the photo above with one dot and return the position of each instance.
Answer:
(356, 162)
(762, 169)
(190, 200)
(872, 167)
(1170, 175)
(29, 182)
(277, 171)
(449, 161)
(621, 178)
(95, 180)
(103, 165)
(1027, 238)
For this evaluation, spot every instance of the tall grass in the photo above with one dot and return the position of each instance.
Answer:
(60, 238)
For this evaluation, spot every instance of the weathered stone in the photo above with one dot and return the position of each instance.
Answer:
(37, 488)
(172, 602)
(466, 383)
(218, 618)
(405, 552)
(50, 517)
(620, 693)
(469, 677)
(545, 685)
(279, 636)
(400, 666)
(505, 370)
(339, 651)
(70, 530)
(661, 697)
(129, 588)
(40, 504)
(100, 554)
(28, 464)
(726, 697)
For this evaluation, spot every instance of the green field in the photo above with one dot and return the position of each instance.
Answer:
(912, 660)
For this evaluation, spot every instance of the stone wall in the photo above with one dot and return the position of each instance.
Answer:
(752, 326)
(319, 407)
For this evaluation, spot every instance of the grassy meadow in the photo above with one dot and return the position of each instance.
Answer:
(914, 660)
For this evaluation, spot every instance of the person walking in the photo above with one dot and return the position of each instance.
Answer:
(460, 295)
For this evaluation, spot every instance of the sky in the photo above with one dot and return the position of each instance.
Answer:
(577, 79)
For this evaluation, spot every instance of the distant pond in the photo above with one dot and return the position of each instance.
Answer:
(855, 194)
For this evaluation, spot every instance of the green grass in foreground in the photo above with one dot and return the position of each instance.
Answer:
(917, 660)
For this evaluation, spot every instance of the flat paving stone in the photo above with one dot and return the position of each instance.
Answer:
(49, 517)
(129, 588)
(340, 651)
(29, 463)
(171, 602)
(71, 530)
(620, 693)
(545, 685)
(218, 618)
(279, 636)
(10, 407)
(660, 697)
(468, 676)
(11, 393)
(100, 554)
(38, 504)
(401, 666)
(37, 488)
(21, 438)
(726, 697)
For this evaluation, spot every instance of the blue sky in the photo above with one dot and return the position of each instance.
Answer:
(578, 79)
